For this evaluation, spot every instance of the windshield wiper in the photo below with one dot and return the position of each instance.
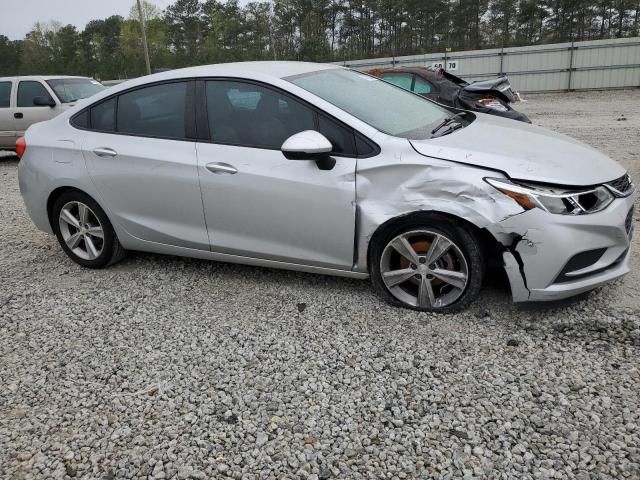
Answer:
(451, 122)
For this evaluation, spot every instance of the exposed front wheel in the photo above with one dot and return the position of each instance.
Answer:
(434, 266)
(84, 231)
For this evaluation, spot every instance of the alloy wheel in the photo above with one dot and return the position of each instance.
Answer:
(81, 230)
(424, 269)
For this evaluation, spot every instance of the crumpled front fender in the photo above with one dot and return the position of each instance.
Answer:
(414, 183)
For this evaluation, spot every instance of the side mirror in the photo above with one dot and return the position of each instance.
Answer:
(309, 145)
(44, 102)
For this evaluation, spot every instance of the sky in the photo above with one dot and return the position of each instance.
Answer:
(18, 16)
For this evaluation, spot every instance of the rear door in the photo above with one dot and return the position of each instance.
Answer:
(7, 127)
(142, 160)
(25, 112)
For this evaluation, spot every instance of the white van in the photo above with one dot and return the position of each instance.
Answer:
(28, 100)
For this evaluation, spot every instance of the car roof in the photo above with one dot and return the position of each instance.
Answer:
(269, 71)
(276, 69)
(40, 77)
(421, 71)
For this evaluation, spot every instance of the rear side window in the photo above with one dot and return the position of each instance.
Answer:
(28, 90)
(156, 111)
(103, 116)
(5, 94)
(81, 120)
(421, 86)
(402, 80)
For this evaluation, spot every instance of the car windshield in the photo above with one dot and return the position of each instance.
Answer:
(385, 107)
(71, 89)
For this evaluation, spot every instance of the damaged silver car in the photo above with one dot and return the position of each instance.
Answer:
(323, 169)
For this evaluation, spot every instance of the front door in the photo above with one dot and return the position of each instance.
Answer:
(25, 112)
(259, 204)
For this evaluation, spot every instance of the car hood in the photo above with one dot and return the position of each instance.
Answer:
(523, 152)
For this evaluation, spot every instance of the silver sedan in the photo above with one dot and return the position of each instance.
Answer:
(322, 169)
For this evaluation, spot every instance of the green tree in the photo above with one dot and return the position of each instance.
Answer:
(37, 54)
(10, 52)
(190, 32)
(185, 31)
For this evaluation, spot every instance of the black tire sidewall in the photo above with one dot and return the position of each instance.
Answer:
(110, 239)
(461, 236)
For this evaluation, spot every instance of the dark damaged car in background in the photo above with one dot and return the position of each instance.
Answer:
(495, 97)
(323, 169)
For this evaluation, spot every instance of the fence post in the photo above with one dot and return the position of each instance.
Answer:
(501, 59)
(571, 49)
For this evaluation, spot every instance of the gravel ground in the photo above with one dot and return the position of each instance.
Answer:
(166, 367)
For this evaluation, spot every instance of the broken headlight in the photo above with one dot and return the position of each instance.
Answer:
(554, 199)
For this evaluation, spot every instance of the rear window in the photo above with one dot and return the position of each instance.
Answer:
(421, 86)
(402, 80)
(5, 94)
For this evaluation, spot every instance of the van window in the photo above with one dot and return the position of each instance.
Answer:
(28, 90)
(5, 94)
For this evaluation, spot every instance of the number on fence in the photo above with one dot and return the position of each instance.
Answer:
(451, 65)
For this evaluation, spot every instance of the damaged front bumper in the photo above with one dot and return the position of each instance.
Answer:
(552, 257)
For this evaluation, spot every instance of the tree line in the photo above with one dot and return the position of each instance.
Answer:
(193, 32)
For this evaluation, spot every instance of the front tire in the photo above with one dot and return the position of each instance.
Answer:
(431, 264)
(84, 231)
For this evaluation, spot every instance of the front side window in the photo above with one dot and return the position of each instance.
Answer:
(28, 90)
(5, 94)
(156, 111)
(386, 108)
(402, 80)
(342, 138)
(70, 90)
(251, 115)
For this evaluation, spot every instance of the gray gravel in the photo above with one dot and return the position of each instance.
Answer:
(166, 367)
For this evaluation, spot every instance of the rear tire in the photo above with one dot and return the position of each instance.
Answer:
(84, 231)
(429, 264)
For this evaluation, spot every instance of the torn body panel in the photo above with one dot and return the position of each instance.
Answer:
(414, 183)
(536, 245)
(564, 255)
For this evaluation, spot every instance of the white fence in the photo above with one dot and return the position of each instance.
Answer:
(597, 64)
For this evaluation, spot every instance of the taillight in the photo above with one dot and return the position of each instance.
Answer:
(21, 147)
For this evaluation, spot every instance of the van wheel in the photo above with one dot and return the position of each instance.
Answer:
(84, 231)
(435, 265)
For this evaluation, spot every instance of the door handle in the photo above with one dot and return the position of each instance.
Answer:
(219, 168)
(105, 152)
(18, 115)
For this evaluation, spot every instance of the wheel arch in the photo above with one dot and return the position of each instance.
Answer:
(59, 191)
(488, 243)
